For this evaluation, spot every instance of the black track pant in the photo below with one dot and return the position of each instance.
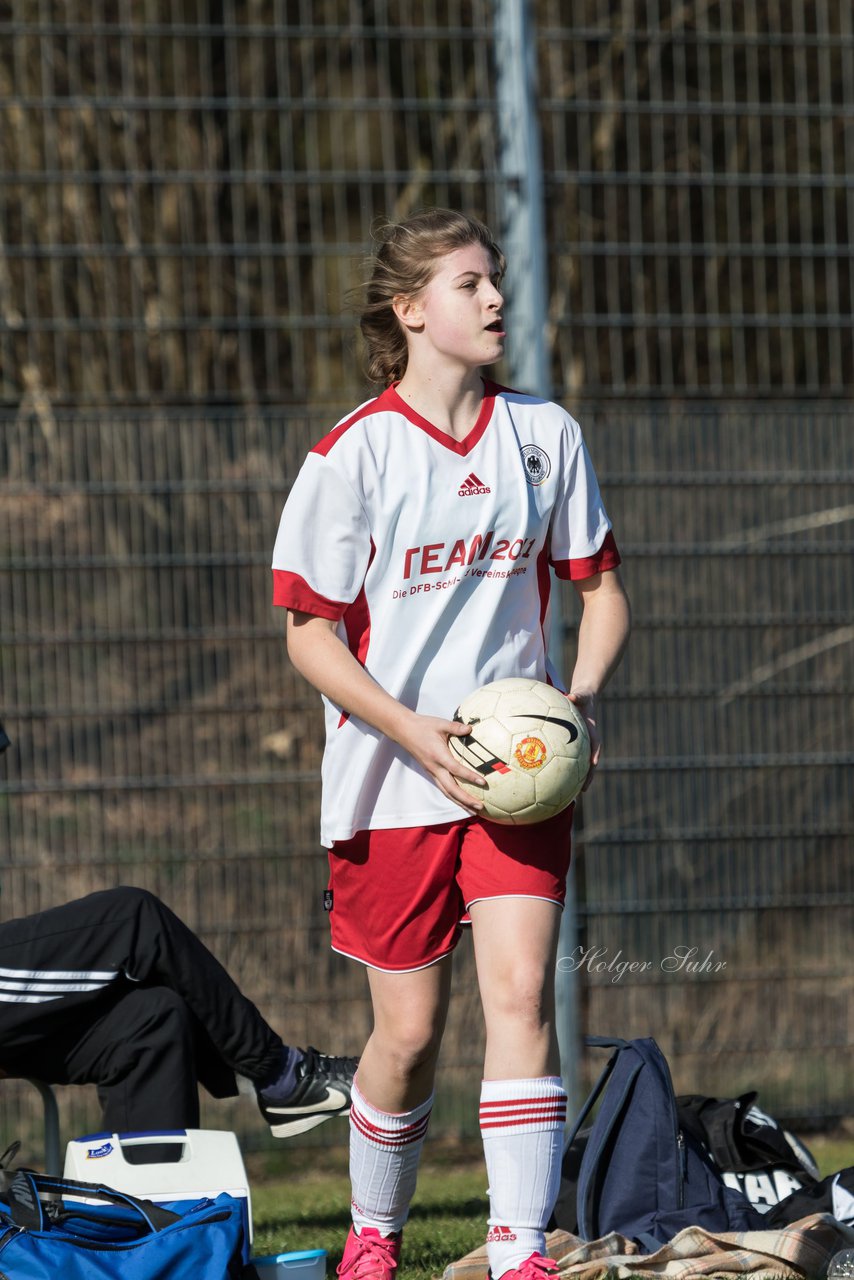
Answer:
(114, 990)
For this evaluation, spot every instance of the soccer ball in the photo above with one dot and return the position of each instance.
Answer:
(531, 745)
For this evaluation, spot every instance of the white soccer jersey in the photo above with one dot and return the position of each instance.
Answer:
(432, 554)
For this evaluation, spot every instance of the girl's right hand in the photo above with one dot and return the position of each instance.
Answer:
(426, 740)
(319, 654)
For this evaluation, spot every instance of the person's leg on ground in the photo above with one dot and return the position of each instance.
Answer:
(392, 1100)
(523, 1103)
(397, 909)
(296, 1089)
(141, 1055)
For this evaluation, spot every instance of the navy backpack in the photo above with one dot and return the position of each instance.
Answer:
(641, 1175)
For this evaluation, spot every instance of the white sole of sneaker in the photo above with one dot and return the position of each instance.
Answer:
(290, 1128)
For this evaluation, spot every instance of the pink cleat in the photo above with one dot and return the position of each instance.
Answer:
(534, 1268)
(371, 1256)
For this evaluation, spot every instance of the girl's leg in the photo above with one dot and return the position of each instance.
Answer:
(523, 1103)
(397, 909)
(398, 1063)
(391, 1103)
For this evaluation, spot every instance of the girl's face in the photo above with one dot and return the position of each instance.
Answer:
(456, 319)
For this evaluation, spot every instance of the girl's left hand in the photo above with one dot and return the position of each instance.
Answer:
(586, 703)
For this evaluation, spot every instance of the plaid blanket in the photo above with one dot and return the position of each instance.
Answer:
(802, 1249)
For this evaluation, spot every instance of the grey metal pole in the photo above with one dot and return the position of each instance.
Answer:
(523, 238)
(52, 1149)
(521, 196)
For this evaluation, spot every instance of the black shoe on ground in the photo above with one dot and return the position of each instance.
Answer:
(322, 1091)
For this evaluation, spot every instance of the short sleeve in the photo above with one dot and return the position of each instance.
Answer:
(323, 544)
(582, 543)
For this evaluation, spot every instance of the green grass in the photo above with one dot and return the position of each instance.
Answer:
(300, 1200)
(831, 1152)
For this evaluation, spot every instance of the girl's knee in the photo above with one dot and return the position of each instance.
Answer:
(524, 998)
(409, 1045)
(130, 899)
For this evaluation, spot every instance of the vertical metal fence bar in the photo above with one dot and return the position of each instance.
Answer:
(523, 228)
(677, 355)
(802, 95)
(827, 165)
(730, 266)
(756, 354)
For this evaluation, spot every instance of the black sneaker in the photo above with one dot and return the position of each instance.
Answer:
(322, 1091)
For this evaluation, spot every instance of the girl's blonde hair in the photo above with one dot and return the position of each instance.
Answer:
(403, 265)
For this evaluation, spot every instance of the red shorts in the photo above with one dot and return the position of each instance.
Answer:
(398, 896)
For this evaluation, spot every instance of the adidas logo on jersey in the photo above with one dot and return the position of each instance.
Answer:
(472, 486)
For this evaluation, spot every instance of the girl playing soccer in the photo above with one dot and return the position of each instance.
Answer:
(413, 558)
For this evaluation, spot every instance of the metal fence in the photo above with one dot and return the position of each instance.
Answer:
(700, 202)
(717, 844)
(186, 191)
(185, 187)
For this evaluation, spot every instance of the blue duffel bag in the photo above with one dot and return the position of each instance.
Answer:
(119, 1238)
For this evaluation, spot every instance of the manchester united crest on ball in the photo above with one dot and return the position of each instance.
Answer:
(536, 462)
(531, 753)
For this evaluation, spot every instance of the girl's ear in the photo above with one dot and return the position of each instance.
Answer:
(408, 311)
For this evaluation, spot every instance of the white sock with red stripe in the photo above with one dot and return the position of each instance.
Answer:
(521, 1123)
(384, 1154)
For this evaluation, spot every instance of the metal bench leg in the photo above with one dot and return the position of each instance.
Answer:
(52, 1154)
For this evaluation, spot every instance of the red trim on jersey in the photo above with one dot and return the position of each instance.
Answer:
(391, 402)
(290, 591)
(487, 404)
(544, 586)
(357, 624)
(373, 406)
(607, 557)
(357, 618)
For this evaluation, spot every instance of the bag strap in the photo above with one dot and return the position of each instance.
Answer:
(28, 1211)
(649, 1242)
(9, 1155)
(621, 1076)
(596, 1042)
